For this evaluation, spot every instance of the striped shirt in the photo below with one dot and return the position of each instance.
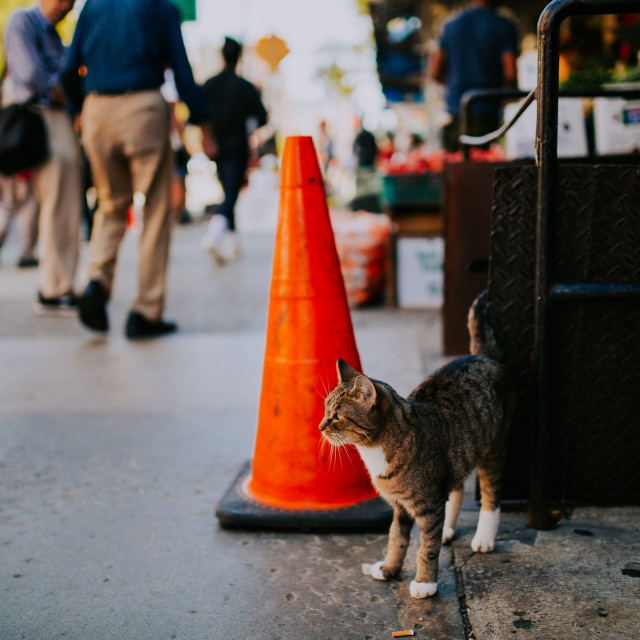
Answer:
(34, 54)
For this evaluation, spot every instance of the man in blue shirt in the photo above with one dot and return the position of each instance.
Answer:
(477, 50)
(113, 74)
(34, 57)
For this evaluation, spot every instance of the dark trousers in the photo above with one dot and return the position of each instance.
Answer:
(231, 172)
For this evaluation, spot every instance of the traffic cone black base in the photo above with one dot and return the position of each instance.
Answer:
(238, 509)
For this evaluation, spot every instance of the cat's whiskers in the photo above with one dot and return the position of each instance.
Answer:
(324, 443)
(337, 456)
(339, 450)
(333, 455)
(325, 390)
(336, 440)
(341, 439)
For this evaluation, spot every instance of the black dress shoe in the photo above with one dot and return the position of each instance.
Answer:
(92, 307)
(66, 305)
(26, 262)
(139, 327)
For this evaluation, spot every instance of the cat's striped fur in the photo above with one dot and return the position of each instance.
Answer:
(420, 449)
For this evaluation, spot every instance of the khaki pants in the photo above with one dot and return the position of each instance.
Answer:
(58, 188)
(19, 200)
(126, 138)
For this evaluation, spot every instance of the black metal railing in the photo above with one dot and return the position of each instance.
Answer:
(469, 98)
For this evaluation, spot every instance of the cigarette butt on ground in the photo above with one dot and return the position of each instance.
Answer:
(402, 634)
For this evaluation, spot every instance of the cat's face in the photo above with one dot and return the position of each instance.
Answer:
(349, 408)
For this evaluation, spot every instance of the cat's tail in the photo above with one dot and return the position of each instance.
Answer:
(482, 339)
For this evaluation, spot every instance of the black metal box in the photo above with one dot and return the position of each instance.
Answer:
(594, 384)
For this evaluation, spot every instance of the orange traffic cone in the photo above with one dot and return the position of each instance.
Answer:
(292, 480)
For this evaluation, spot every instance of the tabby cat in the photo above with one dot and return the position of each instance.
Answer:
(419, 450)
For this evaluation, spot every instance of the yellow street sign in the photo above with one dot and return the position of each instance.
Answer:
(272, 50)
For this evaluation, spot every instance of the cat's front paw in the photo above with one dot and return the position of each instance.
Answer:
(447, 535)
(423, 589)
(483, 545)
(373, 570)
(485, 538)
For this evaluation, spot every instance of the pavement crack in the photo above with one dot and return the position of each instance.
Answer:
(458, 566)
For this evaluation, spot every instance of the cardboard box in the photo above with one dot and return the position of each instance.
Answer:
(572, 134)
(617, 125)
(419, 273)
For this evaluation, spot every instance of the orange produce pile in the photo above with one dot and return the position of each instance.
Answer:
(362, 241)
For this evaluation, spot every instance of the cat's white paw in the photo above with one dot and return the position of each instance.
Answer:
(447, 535)
(373, 570)
(485, 538)
(483, 545)
(422, 589)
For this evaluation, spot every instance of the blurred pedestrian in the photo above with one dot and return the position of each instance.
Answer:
(477, 49)
(235, 111)
(325, 155)
(113, 74)
(19, 202)
(35, 55)
(365, 148)
(325, 146)
(386, 147)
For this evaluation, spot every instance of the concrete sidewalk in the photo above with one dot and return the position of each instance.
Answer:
(113, 456)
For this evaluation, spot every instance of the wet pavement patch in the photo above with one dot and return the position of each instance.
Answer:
(522, 622)
(632, 570)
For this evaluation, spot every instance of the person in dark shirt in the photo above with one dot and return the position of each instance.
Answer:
(365, 151)
(477, 50)
(235, 109)
(365, 148)
(113, 74)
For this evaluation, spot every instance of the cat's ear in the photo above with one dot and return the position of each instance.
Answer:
(365, 391)
(345, 372)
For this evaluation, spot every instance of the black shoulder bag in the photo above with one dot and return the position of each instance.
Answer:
(23, 138)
